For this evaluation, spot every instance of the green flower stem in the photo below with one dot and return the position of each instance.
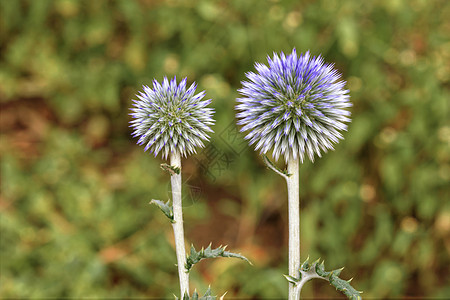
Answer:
(175, 160)
(294, 222)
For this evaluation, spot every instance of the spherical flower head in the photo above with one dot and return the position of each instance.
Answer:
(170, 117)
(295, 106)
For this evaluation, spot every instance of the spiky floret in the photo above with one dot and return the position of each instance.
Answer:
(170, 117)
(295, 106)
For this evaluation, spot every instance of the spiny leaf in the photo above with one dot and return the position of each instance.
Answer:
(274, 168)
(308, 272)
(165, 208)
(305, 266)
(207, 295)
(292, 279)
(172, 170)
(320, 270)
(195, 296)
(337, 272)
(340, 284)
(208, 292)
(345, 287)
(197, 256)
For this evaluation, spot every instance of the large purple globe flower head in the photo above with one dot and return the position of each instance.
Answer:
(294, 106)
(170, 117)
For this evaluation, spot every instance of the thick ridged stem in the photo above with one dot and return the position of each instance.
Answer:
(175, 160)
(294, 222)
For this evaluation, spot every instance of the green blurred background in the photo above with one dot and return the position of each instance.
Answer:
(75, 219)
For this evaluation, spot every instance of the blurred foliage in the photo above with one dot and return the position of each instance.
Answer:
(75, 219)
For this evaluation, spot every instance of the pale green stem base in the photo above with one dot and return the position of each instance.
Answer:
(294, 223)
(175, 160)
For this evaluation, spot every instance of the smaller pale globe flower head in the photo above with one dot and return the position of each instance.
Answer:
(294, 106)
(170, 117)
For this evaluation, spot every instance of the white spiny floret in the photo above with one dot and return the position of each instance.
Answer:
(294, 106)
(170, 117)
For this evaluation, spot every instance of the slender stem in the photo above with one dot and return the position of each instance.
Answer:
(175, 160)
(294, 222)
